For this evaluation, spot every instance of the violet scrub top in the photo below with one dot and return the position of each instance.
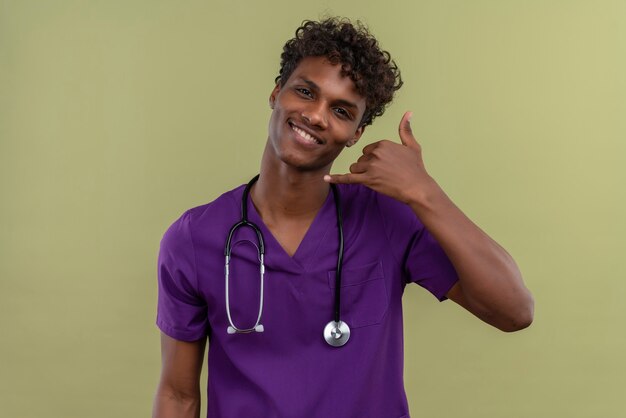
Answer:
(289, 370)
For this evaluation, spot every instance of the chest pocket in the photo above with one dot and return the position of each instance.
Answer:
(364, 298)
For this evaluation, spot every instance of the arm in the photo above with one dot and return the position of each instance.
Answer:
(178, 393)
(490, 284)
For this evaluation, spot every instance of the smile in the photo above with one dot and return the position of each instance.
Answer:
(305, 136)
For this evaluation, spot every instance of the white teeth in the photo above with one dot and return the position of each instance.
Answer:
(305, 135)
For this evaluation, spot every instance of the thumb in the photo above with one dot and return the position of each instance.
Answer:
(405, 131)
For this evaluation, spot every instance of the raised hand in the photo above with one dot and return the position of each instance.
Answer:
(396, 170)
(490, 284)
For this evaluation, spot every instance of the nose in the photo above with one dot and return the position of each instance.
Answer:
(315, 115)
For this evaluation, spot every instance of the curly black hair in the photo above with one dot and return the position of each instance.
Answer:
(375, 75)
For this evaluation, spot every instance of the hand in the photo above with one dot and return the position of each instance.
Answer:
(396, 170)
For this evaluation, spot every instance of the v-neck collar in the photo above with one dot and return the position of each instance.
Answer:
(275, 255)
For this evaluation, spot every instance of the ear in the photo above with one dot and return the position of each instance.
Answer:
(357, 136)
(273, 95)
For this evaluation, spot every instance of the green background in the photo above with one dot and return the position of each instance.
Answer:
(116, 116)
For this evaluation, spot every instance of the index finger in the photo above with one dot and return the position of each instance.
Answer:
(371, 147)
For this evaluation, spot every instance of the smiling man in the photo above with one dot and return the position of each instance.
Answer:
(305, 320)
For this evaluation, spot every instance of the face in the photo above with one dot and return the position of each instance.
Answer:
(315, 115)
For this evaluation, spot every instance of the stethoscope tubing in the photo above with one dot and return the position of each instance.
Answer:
(336, 332)
(337, 313)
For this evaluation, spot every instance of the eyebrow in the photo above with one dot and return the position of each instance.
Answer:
(341, 102)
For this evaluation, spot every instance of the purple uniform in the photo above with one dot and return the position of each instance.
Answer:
(289, 370)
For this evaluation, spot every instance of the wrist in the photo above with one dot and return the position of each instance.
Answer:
(424, 196)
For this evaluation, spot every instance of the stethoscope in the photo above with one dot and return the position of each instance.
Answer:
(336, 332)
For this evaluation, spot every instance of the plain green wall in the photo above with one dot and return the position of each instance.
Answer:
(116, 116)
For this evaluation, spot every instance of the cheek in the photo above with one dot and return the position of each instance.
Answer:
(275, 120)
(348, 134)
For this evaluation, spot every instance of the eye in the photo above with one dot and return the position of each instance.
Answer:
(304, 92)
(342, 112)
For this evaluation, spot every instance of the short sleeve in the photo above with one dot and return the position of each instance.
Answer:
(423, 260)
(181, 311)
(428, 265)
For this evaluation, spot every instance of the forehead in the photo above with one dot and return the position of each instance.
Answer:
(327, 76)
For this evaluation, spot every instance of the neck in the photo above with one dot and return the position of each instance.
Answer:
(283, 192)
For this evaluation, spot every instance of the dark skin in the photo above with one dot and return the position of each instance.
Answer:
(178, 393)
(316, 114)
(320, 102)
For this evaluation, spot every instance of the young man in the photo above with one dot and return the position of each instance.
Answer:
(307, 353)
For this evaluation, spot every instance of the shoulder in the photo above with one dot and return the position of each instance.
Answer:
(227, 202)
(208, 215)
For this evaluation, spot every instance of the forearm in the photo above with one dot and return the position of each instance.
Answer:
(491, 283)
(168, 404)
(178, 393)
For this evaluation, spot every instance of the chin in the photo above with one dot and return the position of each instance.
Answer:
(299, 163)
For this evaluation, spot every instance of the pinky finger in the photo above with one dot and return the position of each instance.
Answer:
(345, 178)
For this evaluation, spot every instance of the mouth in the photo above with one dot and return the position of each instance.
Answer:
(305, 136)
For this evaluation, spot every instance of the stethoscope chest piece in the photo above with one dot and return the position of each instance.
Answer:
(336, 334)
